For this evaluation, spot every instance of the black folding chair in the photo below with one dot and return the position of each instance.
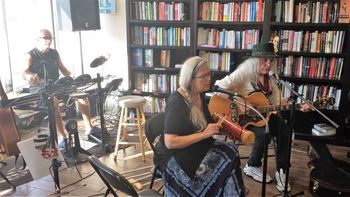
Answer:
(114, 180)
(154, 128)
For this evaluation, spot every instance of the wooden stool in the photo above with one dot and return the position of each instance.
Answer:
(125, 121)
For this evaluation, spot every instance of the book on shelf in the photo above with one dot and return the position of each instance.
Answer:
(344, 11)
(324, 128)
(137, 57)
(149, 57)
(165, 58)
(319, 133)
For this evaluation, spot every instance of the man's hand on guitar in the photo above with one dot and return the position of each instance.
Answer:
(305, 107)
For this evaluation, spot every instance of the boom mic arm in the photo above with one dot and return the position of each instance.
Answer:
(222, 90)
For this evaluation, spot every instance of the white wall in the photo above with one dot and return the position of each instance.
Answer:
(110, 39)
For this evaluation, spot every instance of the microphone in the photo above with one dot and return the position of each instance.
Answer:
(99, 60)
(274, 77)
(218, 89)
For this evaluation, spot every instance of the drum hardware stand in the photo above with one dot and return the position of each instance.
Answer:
(72, 128)
(291, 130)
(233, 99)
(107, 147)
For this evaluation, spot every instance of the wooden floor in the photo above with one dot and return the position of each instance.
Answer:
(91, 184)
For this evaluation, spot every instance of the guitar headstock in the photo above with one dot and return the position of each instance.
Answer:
(324, 102)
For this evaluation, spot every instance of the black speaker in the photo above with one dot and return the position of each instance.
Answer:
(78, 15)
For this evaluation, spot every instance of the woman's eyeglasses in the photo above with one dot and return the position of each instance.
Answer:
(204, 76)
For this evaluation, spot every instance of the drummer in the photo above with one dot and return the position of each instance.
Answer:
(43, 63)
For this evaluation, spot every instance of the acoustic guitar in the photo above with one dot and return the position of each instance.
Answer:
(8, 131)
(245, 116)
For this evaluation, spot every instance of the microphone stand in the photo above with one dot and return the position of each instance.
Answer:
(233, 99)
(291, 129)
(49, 100)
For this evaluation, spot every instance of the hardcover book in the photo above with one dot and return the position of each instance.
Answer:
(324, 128)
(344, 11)
(165, 58)
(149, 57)
(137, 57)
(319, 133)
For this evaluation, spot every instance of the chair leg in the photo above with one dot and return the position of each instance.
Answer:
(8, 181)
(153, 178)
(110, 190)
(121, 120)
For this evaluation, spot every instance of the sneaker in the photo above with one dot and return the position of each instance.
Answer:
(256, 173)
(281, 180)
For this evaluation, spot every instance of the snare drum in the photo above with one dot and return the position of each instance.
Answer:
(82, 79)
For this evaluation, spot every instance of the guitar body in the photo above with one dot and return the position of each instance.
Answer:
(222, 105)
(8, 132)
(255, 99)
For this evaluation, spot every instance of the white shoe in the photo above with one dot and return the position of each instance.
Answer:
(281, 180)
(256, 173)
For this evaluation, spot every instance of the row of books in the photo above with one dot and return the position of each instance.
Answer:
(156, 83)
(161, 36)
(316, 12)
(230, 39)
(314, 42)
(307, 12)
(244, 11)
(154, 104)
(158, 10)
(218, 61)
(146, 57)
(321, 67)
(323, 129)
(315, 92)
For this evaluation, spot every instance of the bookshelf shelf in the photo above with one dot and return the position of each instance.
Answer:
(160, 47)
(156, 69)
(156, 23)
(286, 53)
(159, 36)
(321, 42)
(320, 26)
(311, 80)
(238, 25)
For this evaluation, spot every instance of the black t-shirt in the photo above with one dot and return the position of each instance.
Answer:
(177, 122)
(45, 64)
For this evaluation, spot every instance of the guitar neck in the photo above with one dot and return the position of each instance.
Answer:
(270, 108)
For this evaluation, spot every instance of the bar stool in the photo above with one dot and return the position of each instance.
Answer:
(125, 122)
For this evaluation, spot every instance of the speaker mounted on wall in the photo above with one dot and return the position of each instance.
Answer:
(78, 15)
